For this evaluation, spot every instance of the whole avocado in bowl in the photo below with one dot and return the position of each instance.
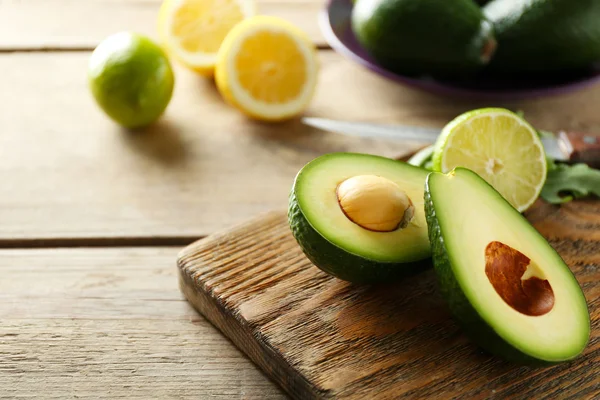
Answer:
(436, 37)
(544, 36)
(483, 81)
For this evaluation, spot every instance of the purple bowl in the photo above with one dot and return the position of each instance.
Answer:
(335, 24)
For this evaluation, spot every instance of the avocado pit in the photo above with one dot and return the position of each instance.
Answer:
(518, 281)
(374, 203)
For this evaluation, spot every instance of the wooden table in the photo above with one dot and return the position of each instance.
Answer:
(92, 217)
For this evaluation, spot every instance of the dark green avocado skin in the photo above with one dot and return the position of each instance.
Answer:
(468, 318)
(545, 35)
(420, 37)
(339, 263)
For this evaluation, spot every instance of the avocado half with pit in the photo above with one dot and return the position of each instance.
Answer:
(504, 283)
(361, 217)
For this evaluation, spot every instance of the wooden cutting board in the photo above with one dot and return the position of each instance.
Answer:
(322, 338)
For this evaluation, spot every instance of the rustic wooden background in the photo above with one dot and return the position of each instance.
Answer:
(92, 217)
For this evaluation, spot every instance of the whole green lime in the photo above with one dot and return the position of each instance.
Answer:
(131, 79)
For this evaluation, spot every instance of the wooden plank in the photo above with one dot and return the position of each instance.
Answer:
(322, 338)
(69, 172)
(98, 323)
(82, 24)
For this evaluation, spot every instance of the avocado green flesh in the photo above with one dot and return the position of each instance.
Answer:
(464, 215)
(544, 35)
(339, 246)
(437, 37)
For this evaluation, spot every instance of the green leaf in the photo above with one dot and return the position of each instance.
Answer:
(566, 182)
(551, 165)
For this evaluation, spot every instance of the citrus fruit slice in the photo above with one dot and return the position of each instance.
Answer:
(499, 146)
(267, 68)
(193, 30)
(131, 79)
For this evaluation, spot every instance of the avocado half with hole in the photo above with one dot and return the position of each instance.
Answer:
(361, 217)
(504, 283)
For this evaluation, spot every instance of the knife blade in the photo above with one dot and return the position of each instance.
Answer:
(552, 145)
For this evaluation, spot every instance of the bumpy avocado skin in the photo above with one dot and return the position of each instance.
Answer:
(421, 37)
(467, 317)
(544, 35)
(340, 263)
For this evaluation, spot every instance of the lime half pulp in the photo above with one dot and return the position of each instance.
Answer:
(499, 146)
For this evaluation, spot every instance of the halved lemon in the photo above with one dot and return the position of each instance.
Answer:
(193, 30)
(499, 146)
(267, 68)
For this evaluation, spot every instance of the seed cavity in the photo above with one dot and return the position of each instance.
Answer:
(519, 282)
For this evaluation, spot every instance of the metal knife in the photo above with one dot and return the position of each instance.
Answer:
(569, 146)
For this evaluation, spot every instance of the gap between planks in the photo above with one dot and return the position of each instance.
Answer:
(52, 243)
(83, 49)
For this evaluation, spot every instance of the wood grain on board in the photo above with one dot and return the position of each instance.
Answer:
(321, 338)
(68, 172)
(111, 323)
(82, 24)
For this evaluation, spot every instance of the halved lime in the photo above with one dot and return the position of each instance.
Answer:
(499, 146)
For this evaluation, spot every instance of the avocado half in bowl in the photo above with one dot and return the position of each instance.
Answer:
(335, 21)
(361, 217)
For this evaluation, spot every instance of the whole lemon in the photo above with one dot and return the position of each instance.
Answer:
(131, 79)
